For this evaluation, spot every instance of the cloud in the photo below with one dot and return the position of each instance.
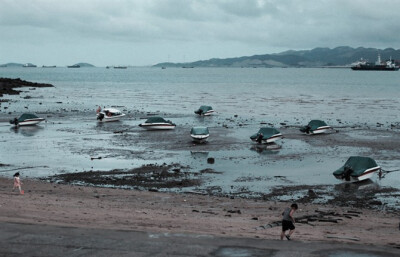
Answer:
(248, 25)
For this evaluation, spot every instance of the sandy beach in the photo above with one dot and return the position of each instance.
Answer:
(118, 209)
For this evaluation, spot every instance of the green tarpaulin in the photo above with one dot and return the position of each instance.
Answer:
(357, 164)
(203, 109)
(27, 116)
(313, 125)
(157, 120)
(267, 133)
(199, 131)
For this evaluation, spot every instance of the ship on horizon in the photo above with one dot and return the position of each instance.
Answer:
(389, 65)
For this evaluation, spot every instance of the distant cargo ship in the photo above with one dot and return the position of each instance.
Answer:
(378, 65)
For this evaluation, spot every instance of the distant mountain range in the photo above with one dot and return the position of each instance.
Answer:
(12, 64)
(317, 57)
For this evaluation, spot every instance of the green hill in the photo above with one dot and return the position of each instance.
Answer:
(317, 57)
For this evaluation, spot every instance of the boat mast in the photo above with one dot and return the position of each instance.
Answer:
(378, 62)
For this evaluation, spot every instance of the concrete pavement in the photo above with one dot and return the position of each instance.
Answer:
(45, 240)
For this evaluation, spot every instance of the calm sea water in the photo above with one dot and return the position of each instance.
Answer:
(288, 94)
(341, 97)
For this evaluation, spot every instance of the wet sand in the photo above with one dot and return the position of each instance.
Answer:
(119, 209)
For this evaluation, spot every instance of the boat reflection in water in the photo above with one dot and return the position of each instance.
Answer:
(271, 148)
(27, 131)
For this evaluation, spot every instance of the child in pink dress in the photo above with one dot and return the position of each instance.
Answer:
(18, 183)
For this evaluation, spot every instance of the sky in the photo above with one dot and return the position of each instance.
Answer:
(147, 32)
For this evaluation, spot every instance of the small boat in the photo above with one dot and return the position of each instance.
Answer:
(199, 134)
(26, 119)
(74, 66)
(266, 135)
(120, 67)
(157, 123)
(109, 114)
(204, 110)
(357, 168)
(315, 127)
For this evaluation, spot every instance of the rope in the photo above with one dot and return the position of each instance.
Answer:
(383, 172)
(388, 171)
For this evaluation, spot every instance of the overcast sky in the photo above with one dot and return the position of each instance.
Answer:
(146, 32)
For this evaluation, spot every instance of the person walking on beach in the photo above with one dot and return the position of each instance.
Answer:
(288, 221)
(18, 183)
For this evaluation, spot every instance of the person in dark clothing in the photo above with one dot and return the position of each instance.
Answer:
(288, 221)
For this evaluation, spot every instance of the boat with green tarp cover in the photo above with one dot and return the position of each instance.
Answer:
(266, 135)
(357, 168)
(157, 123)
(315, 127)
(199, 134)
(204, 110)
(26, 119)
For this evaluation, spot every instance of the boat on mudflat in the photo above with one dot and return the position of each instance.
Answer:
(26, 119)
(357, 168)
(266, 135)
(199, 134)
(157, 123)
(109, 114)
(315, 127)
(379, 65)
(204, 110)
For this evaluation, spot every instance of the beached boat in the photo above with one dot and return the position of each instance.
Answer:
(109, 114)
(315, 127)
(357, 168)
(204, 110)
(266, 135)
(199, 134)
(157, 123)
(26, 119)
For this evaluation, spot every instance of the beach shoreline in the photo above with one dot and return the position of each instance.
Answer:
(132, 210)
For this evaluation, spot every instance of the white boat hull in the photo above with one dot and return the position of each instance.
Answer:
(208, 113)
(367, 174)
(30, 122)
(320, 130)
(199, 138)
(157, 126)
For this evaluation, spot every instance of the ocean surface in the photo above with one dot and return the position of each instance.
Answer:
(278, 94)
(244, 98)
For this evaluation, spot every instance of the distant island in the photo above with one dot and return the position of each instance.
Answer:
(342, 56)
(31, 65)
(81, 65)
